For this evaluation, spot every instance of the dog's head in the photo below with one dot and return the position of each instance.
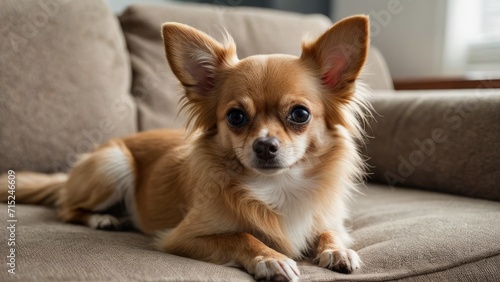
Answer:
(271, 111)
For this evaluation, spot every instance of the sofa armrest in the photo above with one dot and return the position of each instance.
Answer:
(445, 141)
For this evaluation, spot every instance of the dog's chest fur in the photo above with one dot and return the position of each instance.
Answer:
(291, 195)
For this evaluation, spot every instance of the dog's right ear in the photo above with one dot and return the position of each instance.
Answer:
(195, 57)
(339, 54)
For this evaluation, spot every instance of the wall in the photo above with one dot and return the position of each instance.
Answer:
(306, 7)
(300, 6)
(119, 5)
(410, 34)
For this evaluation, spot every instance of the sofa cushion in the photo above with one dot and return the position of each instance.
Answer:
(255, 31)
(64, 82)
(445, 140)
(402, 234)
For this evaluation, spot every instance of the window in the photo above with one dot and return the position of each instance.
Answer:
(483, 52)
(472, 42)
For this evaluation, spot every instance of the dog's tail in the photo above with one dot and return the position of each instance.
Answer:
(31, 187)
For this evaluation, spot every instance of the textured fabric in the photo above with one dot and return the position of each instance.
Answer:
(402, 234)
(482, 270)
(64, 82)
(255, 31)
(438, 140)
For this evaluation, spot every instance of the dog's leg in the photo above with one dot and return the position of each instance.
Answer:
(334, 255)
(234, 249)
(103, 179)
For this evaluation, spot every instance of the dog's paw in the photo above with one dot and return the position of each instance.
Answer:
(273, 269)
(343, 261)
(104, 222)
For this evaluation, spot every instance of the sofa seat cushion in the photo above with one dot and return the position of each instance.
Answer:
(64, 82)
(399, 233)
(405, 233)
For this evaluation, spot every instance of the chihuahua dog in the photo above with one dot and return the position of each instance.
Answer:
(263, 175)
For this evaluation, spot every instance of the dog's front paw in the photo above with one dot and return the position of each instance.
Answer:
(103, 222)
(343, 261)
(274, 269)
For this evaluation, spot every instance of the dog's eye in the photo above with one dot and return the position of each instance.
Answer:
(236, 117)
(299, 115)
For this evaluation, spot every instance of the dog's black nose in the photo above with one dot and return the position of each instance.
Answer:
(266, 148)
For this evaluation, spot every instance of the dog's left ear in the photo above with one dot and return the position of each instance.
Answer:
(340, 53)
(195, 57)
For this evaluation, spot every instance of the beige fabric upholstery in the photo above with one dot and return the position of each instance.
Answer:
(399, 234)
(64, 82)
(438, 140)
(255, 31)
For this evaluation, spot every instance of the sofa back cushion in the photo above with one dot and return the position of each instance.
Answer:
(64, 82)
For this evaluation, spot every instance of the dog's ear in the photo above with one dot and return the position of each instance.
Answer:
(340, 52)
(195, 57)
(196, 60)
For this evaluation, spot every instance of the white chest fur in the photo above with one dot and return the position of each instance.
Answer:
(290, 194)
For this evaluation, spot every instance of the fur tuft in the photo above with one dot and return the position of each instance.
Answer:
(34, 188)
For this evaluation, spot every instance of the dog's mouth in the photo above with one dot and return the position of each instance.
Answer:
(268, 167)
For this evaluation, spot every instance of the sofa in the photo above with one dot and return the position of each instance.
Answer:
(74, 75)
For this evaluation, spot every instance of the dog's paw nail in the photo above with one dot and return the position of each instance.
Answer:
(343, 261)
(277, 270)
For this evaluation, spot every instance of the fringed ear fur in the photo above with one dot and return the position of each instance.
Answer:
(336, 58)
(195, 58)
(339, 54)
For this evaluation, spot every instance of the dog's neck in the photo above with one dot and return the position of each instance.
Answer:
(280, 190)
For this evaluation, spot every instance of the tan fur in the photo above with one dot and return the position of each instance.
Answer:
(205, 192)
(37, 188)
